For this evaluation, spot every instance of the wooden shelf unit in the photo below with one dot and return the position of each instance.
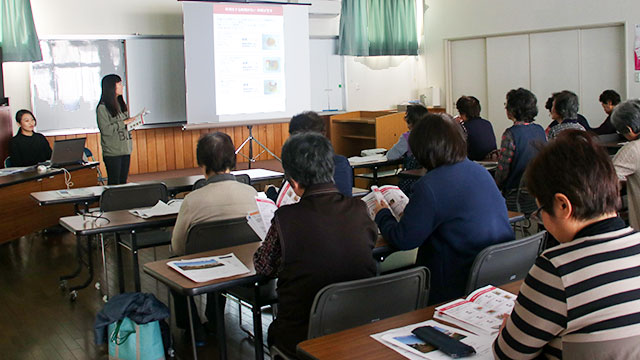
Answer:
(358, 130)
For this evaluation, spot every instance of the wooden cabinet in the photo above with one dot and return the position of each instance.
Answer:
(357, 130)
(6, 133)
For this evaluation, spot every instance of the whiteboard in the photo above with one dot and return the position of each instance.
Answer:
(468, 58)
(65, 85)
(155, 78)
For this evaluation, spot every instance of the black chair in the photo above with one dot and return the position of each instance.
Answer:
(243, 178)
(220, 234)
(349, 304)
(503, 263)
(131, 197)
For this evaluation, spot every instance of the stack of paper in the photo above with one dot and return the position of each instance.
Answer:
(482, 312)
(209, 268)
(14, 170)
(160, 209)
(408, 345)
(371, 159)
(75, 192)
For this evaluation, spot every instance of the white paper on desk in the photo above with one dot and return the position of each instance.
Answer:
(75, 192)
(14, 170)
(266, 208)
(371, 159)
(287, 195)
(408, 345)
(254, 220)
(209, 268)
(159, 209)
(257, 173)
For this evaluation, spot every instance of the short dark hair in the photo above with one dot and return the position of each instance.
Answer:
(549, 104)
(307, 158)
(610, 96)
(626, 115)
(566, 104)
(215, 151)
(415, 113)
(575, 165)
(23, 112)
(437, 140)
(468, 106)
(306, 121)
(522, 105)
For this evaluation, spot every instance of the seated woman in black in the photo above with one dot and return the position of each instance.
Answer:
(454, 212)
(481, 141)
(28, 147)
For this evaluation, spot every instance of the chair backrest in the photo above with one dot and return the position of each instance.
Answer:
(352, 303)
(88, 153)
(243, 178)
(219, 234)
(132, 196)
(7, 162)
(198, 184)
(506, 262)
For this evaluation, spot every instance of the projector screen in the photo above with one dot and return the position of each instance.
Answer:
(245, 63)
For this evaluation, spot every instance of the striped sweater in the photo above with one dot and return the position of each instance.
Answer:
(581, 299)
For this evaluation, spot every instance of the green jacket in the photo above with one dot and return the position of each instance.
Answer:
(114, 137)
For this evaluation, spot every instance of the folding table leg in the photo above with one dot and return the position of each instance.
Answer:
(220, 331)
(120, 267)
(136, 270)
(193, 334)
(257, 324)
(73, 291)
(104, 270)
(78, 268)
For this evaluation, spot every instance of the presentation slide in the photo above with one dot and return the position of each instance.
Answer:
(245, 63)
(249, 65)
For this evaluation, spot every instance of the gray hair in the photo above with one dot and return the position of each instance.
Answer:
(307, 158)
(566, 104)
(627, 114)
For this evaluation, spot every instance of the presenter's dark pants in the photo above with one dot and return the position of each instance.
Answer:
(117, 169)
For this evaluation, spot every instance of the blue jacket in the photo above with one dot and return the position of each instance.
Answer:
(142, 308)
(455, 212)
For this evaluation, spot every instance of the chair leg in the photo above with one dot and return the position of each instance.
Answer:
(136, 270)
(105, 286)
(257, 325)
(120, 266)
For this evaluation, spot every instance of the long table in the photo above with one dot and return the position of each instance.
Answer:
(92, 194)
(357, 343)
(175, 281)
(20, 215)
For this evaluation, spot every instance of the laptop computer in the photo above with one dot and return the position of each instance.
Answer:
(67, 152)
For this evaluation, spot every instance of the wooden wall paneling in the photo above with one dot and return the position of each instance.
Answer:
(169, 148)
(152, 157)
(187, 151)
(133, 164)
(237, 141)
(195, 136)
(271, 139)
(161, 151)
(143, 166)
(179, 147)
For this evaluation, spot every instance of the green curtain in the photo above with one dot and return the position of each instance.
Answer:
(18, 37)
(378, 27)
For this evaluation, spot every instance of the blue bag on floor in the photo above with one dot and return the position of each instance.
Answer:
(130, 341)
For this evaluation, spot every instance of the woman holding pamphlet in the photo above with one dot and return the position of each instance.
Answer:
(113, 117)
(454, 212)
(580, 298)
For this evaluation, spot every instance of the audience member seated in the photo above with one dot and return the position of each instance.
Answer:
(481, 140)
(626, 119)
(28, 147)
(565, 112)
(221, 198)
(401, 148)
(325, 238)
(310, 121)
(608, 99)
(579, 300)
(518, 145)
(549, 105)
(455, 210)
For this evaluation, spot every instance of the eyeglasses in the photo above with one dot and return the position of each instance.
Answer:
(535, 216)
